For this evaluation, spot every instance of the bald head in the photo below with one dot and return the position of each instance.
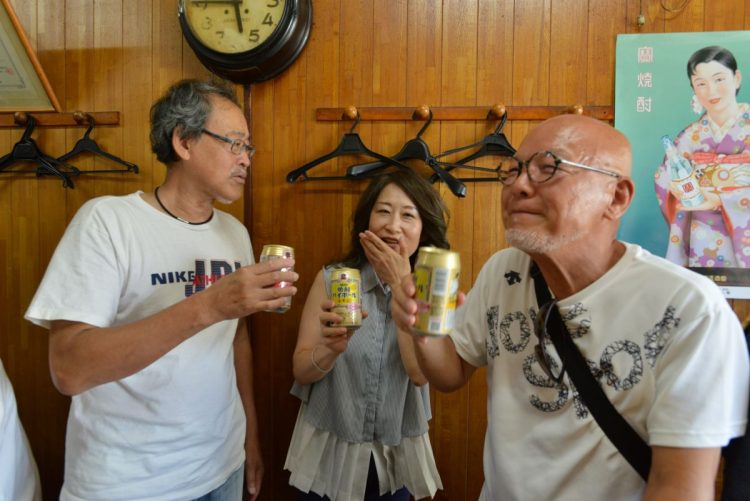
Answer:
(581, 139)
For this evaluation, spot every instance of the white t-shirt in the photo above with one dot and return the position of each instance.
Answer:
(176, 429)
(19, 478)
(664, 344)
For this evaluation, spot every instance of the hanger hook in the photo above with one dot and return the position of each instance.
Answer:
(80, 117)
(30, 124)
(427, 124)
(501, 112)
(90, 120)
(356, 122)
(500, 126)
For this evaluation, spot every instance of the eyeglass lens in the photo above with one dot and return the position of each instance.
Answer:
(238, 147)
(540, 167)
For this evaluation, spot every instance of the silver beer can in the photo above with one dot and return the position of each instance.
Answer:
(276, 251)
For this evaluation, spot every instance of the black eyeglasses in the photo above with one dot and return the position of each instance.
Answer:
(540, 167)
(549, 365)
(236, 146)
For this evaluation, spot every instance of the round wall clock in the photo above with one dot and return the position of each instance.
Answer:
(246, 41)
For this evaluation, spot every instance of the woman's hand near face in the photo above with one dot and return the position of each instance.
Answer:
(391, 266)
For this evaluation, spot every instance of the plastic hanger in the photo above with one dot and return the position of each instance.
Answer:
(494, 144)
(27, 151)
(414, 149)
(88, 145)
(351, 144)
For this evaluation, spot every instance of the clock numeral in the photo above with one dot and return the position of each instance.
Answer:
(268, 20)
(273, 3)
(207, 23)
(254, 36)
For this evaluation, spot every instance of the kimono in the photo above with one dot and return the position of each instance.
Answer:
(720, 237)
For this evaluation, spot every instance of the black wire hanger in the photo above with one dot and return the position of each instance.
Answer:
(414, 149)
(494, 144)
(27, 151)
(88, 145)
(351, 144)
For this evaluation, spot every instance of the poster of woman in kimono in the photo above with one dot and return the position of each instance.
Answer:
(700, 164)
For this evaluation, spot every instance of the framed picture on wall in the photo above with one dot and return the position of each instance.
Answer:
(683, 102)
(23, 84)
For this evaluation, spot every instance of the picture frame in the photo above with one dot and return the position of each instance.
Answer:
(23, 83)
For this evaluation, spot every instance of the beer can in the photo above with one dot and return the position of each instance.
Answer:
(346, 296)
(436, 275)
(275, 251)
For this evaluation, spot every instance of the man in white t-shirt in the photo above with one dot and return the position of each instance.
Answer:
(19, 477)
(661, 341)
(146, 299)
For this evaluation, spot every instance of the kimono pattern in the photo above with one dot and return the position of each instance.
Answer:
(718, 237)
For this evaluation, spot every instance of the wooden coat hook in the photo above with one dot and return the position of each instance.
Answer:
(421, 113)
(53, 119)
(496, 111)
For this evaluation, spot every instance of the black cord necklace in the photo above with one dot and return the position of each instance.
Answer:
(158, 200)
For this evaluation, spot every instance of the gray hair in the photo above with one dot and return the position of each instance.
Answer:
(184, 107)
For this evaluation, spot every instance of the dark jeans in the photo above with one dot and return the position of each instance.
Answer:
(372, 491)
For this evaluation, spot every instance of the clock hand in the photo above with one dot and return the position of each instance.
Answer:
(237, 15)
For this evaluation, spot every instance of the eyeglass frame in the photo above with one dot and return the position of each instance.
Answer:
(233, 143)
(503, 175)
(540, 330)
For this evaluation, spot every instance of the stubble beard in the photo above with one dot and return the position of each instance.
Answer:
(535, 242)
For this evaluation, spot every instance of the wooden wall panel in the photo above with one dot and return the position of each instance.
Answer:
(721, 16)
(568, 73)
(137, 89)
(117, 55)
(459, 53)
(107, 86)
(605, 20)
(494, 84)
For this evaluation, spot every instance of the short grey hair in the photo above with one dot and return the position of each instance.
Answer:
(184, 107)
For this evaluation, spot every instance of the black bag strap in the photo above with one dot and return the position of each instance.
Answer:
(635, 450)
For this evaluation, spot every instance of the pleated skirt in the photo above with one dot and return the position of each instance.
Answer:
(322, 463)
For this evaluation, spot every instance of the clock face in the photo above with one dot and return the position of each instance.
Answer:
(233, 26)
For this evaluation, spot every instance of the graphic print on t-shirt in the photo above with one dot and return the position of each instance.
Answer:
(196, 280)
(514, 332)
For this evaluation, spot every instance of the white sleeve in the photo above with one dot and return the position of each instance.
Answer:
(702, 379)
(470, 331)
(83, 280)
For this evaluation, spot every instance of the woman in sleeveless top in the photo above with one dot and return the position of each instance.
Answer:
(361, 432)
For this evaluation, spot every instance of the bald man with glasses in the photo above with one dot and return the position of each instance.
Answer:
(661, 341)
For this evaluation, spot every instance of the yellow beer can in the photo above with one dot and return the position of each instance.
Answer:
(276, 251)
(436, 275)
(346, 287)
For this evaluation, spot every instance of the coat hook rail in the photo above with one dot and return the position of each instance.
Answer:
(76, 118)
(468, 112)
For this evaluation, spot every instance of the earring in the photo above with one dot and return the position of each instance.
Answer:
(696, 105)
